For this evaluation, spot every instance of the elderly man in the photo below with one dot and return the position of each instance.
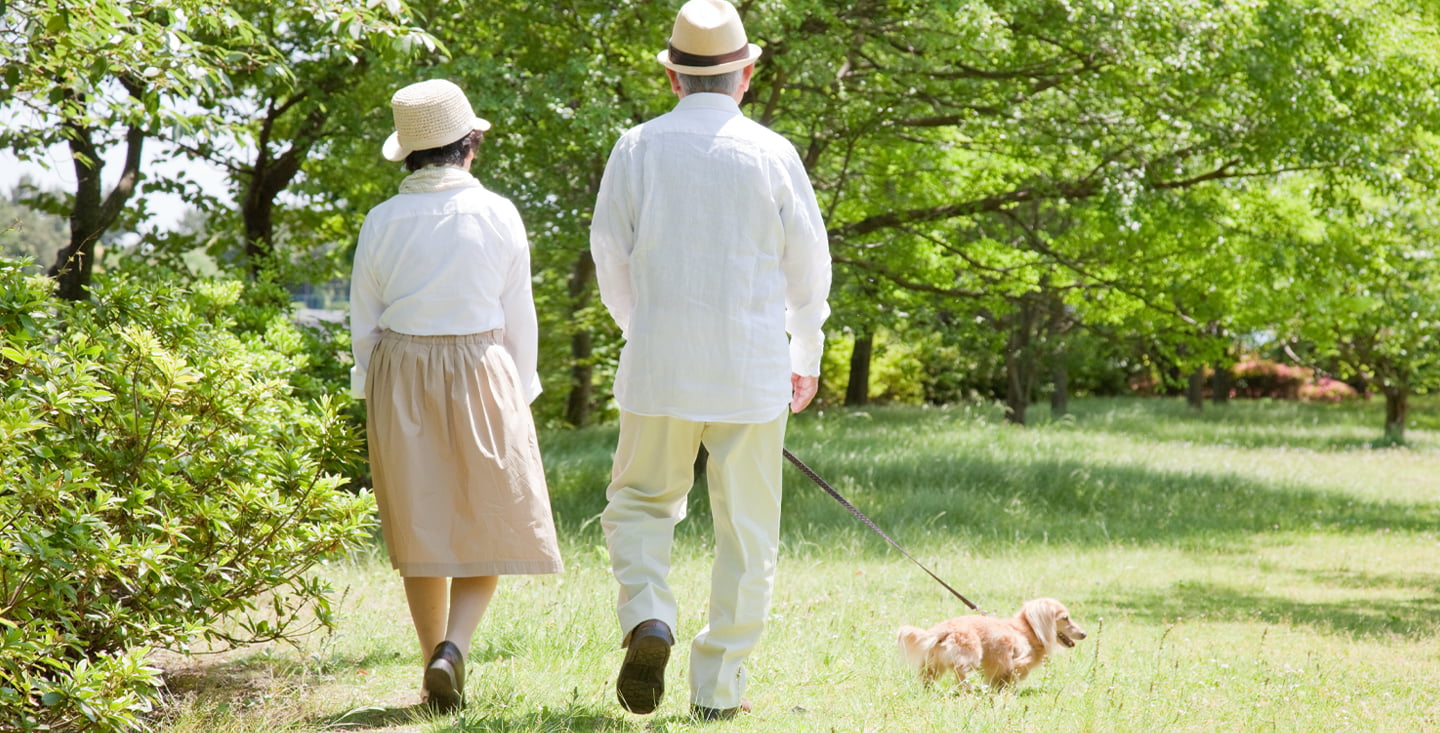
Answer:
(709, 248)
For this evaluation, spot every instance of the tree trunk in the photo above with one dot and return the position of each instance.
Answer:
(1017, 398)
(1020, 359)
(258, 211)
(1195, 389)
(1060, 398)
(857, 392)
(1220, 385)
(75, 262)
(1060, 323)
(1397, 404)
(578, 406)
(1017, 376)
(94, 212)
(272, 174)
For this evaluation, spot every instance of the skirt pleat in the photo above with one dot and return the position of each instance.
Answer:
(455, 459)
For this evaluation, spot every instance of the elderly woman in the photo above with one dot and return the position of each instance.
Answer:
(444, 334)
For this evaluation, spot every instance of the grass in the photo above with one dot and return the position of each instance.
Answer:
(1256, 567)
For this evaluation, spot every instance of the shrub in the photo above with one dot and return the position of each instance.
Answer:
(1256, 378)
(1325, 389)
(162, 484)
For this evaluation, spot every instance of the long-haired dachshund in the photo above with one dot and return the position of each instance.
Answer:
(1003, 649)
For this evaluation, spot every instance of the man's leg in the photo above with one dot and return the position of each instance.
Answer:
(744, 474)
(651, 479)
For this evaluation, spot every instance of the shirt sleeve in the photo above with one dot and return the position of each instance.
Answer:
(366, 307)
(612, 237)
(806, 264)
(522, 330)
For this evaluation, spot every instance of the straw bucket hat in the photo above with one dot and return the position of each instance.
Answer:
(708, 39)
(429, 114)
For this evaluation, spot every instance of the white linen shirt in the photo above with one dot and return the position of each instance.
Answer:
(449, 262)
(709, 247)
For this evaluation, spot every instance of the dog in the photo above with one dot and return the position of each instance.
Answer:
(1004, 650)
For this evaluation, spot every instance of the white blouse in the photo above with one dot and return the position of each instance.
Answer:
(453, 261)
(709, 248)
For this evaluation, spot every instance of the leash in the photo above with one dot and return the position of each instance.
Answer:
(858, 515)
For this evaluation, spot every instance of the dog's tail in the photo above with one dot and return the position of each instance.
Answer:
(915, 645)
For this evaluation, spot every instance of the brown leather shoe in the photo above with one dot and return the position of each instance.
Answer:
(712, 714)
(641, 683)
(445, 679)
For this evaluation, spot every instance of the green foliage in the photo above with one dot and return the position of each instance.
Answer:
(1038, 169)
(163, 482)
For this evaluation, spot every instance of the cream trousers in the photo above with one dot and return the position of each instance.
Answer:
(651, 480)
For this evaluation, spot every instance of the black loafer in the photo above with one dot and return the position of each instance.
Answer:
(445, 678)
(642, 676)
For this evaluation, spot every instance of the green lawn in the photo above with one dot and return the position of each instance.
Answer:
(1255, 567)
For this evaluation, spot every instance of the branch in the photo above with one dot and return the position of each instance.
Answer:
(129, 175)
(908, 284)
(1084, 188)
(1037, 244)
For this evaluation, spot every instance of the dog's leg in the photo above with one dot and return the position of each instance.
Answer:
(929, 674)
(960, 681)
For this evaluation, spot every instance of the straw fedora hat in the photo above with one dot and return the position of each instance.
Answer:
(429, 114)
(708, 39)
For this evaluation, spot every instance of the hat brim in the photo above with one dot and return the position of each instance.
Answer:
(664, 58)
(395, 152)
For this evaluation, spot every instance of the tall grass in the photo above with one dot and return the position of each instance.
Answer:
(1259, 566)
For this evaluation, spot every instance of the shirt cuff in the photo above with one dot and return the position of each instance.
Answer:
(805, 355)
(357, 382)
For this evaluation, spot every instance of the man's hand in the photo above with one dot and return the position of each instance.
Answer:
(802, 391)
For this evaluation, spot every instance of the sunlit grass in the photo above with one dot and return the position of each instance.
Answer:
(1251, 567)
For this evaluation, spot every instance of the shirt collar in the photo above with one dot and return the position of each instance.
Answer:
(708, 100)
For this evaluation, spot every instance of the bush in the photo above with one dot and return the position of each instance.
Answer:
(1256, 378)
(162, 484)
(1325, 389)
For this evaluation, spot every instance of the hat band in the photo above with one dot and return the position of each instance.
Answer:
(681, 58)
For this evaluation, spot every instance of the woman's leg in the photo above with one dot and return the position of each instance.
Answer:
(429, 600)
(469, 597)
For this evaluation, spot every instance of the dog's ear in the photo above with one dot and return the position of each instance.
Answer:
(1041, 614)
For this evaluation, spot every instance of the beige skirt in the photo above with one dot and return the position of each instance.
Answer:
(455, 459)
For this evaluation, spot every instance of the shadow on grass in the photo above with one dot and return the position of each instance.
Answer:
(479, 715)
(1412, 618)
(934, 481)
(1251, 423)
(370, 718)
(572, 717)
(1069, 501)
(927, 490)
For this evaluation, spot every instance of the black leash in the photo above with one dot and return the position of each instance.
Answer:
(858, 515)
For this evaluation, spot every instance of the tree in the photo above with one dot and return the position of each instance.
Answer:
(1367, 294)
(972, 150)
(269, 128)
(70, 83)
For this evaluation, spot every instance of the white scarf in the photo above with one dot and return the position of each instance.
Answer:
(437, 178)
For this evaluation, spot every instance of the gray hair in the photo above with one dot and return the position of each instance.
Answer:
(725, 83)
